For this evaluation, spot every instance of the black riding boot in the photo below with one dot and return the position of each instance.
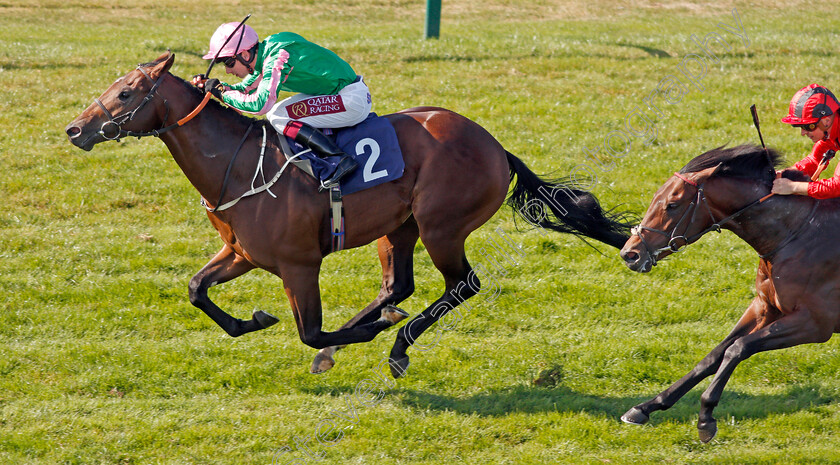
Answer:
(324, 147)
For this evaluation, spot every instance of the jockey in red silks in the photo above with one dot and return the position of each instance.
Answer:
(813, 109)
(329, 93)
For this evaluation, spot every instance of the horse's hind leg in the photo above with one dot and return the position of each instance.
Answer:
(225, 266)
(396, 254)
(447, 253)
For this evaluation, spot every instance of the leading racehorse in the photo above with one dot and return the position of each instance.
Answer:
(456, 177)
(798, 280)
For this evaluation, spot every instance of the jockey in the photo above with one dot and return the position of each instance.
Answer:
(329, 93)
(813, 109)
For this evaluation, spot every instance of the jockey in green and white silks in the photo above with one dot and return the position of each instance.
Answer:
(329, 93)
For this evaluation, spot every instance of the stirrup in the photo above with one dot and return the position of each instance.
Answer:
(330, 183)
(339, 174)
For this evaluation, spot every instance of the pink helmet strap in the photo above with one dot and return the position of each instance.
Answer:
(242, 60)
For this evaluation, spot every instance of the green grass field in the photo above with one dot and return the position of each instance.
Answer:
(104, 361)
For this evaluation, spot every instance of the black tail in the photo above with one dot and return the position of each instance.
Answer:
(553, 204)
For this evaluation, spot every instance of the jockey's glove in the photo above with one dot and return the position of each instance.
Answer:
(214, 87)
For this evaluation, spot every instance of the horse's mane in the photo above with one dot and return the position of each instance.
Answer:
(213, 103)
(744, 161)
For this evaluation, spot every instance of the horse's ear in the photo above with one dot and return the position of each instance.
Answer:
(163, 63)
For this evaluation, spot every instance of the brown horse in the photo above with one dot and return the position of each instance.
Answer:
(456, 177)
(798, 300)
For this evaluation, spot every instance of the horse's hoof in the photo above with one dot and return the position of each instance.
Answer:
(398, 367)
(265, 319)
(707, 431)
(323, 361)
(393, 315)
(635, 416)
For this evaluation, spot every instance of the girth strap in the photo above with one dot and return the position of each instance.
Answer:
(336, 219)
(336, 204)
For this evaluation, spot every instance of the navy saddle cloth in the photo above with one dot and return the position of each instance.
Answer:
(372, 143)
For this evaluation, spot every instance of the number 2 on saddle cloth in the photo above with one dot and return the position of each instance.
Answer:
(372, 143)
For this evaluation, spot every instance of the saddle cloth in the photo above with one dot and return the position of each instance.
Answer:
(372, 143)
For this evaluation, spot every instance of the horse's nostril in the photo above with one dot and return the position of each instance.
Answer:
(630, 257)
(73, 131)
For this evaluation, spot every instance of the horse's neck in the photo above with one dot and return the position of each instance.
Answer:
(769, 225)
(204, 147)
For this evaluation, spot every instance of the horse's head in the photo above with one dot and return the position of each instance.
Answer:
(675, 216)
(711, 190)
(128, 105)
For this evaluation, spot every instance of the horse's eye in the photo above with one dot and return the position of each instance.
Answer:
(672, 206)
(124, 95)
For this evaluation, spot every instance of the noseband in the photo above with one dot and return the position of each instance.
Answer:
(112, 129)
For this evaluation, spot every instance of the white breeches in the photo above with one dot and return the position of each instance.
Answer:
(350, 106)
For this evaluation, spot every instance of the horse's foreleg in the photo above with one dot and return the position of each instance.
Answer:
(640, 414)
(225, 266)
(788, 331)
(396, 254)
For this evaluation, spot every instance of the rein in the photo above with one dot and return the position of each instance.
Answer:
(254, 190)
(112, 129)
(674, 239)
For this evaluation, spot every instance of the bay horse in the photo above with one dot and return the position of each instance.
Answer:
(456, 177)
(798, 297)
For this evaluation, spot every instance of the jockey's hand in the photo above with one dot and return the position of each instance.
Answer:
(215, 87)
(198, 81)
(784, 186)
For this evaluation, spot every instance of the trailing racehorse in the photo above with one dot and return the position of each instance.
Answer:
(798, 276)
(456, 177)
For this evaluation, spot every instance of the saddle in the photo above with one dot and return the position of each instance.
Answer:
(372, 143)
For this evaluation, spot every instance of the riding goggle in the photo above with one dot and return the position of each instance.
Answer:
(808, 127)
(229, 62)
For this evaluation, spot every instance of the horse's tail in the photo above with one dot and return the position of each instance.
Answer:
(555, 205)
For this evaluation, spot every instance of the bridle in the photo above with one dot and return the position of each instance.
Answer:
(113, 128)
(677, 242)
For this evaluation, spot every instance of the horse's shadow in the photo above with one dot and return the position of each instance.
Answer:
(532, 399)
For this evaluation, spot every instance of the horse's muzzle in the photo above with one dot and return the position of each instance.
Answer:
(76, 134)
(636, 256)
